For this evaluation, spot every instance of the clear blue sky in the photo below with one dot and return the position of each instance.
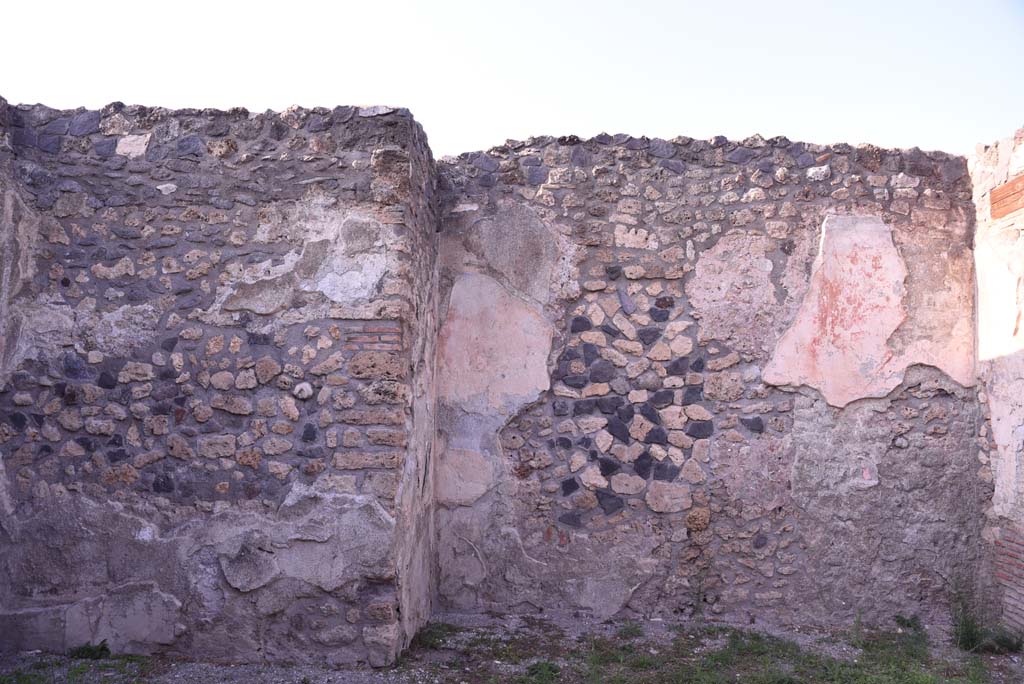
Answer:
(939, 75)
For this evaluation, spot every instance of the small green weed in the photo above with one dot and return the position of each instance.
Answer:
(21, 677)
(541, 672)
(98, 651)
(630, 630)
(434, 635)
(969, 634)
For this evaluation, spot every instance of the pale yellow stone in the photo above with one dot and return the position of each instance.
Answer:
(702, 450)
(692, 472)
(674, 328)
(592, 478)
(679, 438)
(668, 497)
(616, 358)
(624, 483)
(673, 417)
(132, 146)
(637, 367)
(577, 461)
(681, 346)
(566, 427)
(598, 389)
(734, 436)
(278, 469)
(637, 396)
(589, 424)
(639, 427)
(603, 440)
(698, 412)
(563, 390)
(595, 337)
(659, 352)
(624, 325)
(730, 359)
(629, 347)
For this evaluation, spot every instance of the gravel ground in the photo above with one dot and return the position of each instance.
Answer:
(456, 650)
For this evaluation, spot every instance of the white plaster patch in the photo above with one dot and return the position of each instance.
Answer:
(838, 342)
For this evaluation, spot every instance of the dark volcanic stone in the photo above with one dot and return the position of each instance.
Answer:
(308, 432)
(662, 398)
(569, 486)
(678, 367)
(700, 429)
(760, 541)
(755, 424)
(656, 435)
(658, 315)
(163, 484)
(741, 155)
(666, 472)
(169, 344)
(626, 413)
(608, 329)
(627, 303)
(664, 302)
(618, 429)
(19, 420)
(590, 353)
(576, 381)
(609, 502)
(561, 407)
(580, 324)
(613, 272)
(564, 443)
(650, 413)
(571, 519)
(84, 123)
(259, 339)
(693, 395)
(649, 335)
(608, 405)
(697, 365)
(190, 145)
(602, 371)
(608, 466)
(74, 366)
(584, 407)
(643, 464)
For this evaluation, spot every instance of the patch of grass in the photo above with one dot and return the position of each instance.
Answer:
(541, 672)
(77, 672)
(969, 634)
(630, 630)
(21, 677)
(434, 635)
(98, 651)
(893, 657)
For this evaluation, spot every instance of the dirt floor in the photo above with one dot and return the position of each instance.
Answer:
(530, 650)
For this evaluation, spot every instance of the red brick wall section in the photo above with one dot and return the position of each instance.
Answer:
(1010, 574)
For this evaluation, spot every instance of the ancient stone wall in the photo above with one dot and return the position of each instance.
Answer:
(217, 414)
(722, 378)
(280, 387)
(999, 258)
